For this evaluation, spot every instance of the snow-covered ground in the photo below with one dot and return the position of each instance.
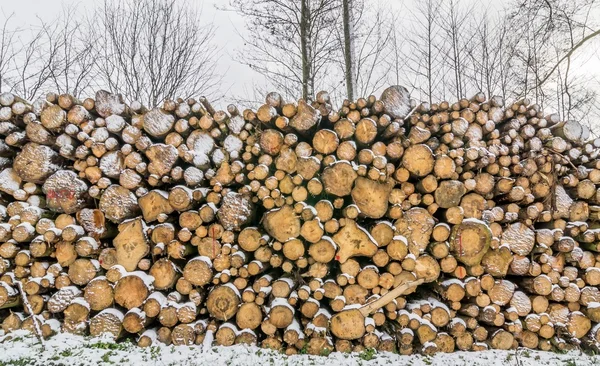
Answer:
(67, 349)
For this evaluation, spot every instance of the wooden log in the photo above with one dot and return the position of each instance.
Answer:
(350, 324)
(339, 178)
(470, 241)
(282, 224)
(35, 163)
(131, 243)
(371, 197)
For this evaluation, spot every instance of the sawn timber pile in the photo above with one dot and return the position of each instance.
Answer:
(385, 224)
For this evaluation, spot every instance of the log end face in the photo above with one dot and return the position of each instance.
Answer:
(371, 197)
(236, 210)
(65, 192)
(348, 324)
(396, 101)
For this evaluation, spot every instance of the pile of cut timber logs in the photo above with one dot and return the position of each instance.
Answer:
(386, 224)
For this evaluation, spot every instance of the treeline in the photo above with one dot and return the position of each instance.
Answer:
(156, 49)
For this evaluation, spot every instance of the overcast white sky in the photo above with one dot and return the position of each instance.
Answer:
(238, 78)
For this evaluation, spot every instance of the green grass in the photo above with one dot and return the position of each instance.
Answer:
(25, 361)
(368, 354)
(122, 346)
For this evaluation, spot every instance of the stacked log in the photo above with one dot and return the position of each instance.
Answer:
(385, 224)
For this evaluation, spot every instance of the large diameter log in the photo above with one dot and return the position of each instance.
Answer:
(249, 316)
(418, 160)
(201, 144)
(396, 101)
(65, 192)
(271, 141)
(569, 130)
(417, 226)
(158, 123)
(372, 197)
(306, 118)
(281, 313)
(352, 241)
(282, 224)
(162, 159)
(108, 321)
(132, 289)
(131, 243)
(155, 204)
(496, 262)
(236, 210)
(449, 193)
(93, 222)
(470, 240)
(165, 274)
(339, 178)
(118, 203)
(35, 163)
(223, 301)
(99, 294)
(59, 301)
(9, 296)
(53, 118)
(198, 271)
(519, 238)
(9, 181)
(350, 324)
(107, 104)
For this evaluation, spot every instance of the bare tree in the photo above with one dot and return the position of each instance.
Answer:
(45, 56)
(36, 61)
(151, 50)
(455, 36)
(424, 56)
(552, 31)
(349, 69)
(490, 52)
(7, 51)
(73, 68)
(366, 44)
(291, 43)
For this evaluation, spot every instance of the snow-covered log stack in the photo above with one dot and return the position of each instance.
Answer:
(385, 224)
